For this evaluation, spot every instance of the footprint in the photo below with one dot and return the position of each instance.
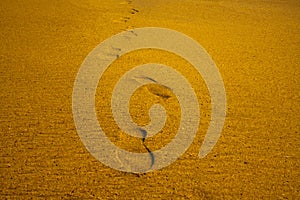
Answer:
(160, 90)
(129, 28)
(151, 155)
(134, 11)
(144, 79)
(121, 20)
(155, 87)
(144, 133)
(125, 19)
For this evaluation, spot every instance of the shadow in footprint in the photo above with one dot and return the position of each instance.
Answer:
(144, 133)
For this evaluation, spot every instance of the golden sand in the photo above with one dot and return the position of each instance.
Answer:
(255, 45)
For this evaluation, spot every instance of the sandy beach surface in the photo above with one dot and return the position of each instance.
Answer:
(254, 43)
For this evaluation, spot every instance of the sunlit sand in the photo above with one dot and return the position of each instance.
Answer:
(255, 45)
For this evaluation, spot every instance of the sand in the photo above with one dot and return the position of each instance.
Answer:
(255, 45)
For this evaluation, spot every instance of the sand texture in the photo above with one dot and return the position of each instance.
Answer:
(254, 43)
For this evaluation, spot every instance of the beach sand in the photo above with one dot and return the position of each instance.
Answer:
(256, 46)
